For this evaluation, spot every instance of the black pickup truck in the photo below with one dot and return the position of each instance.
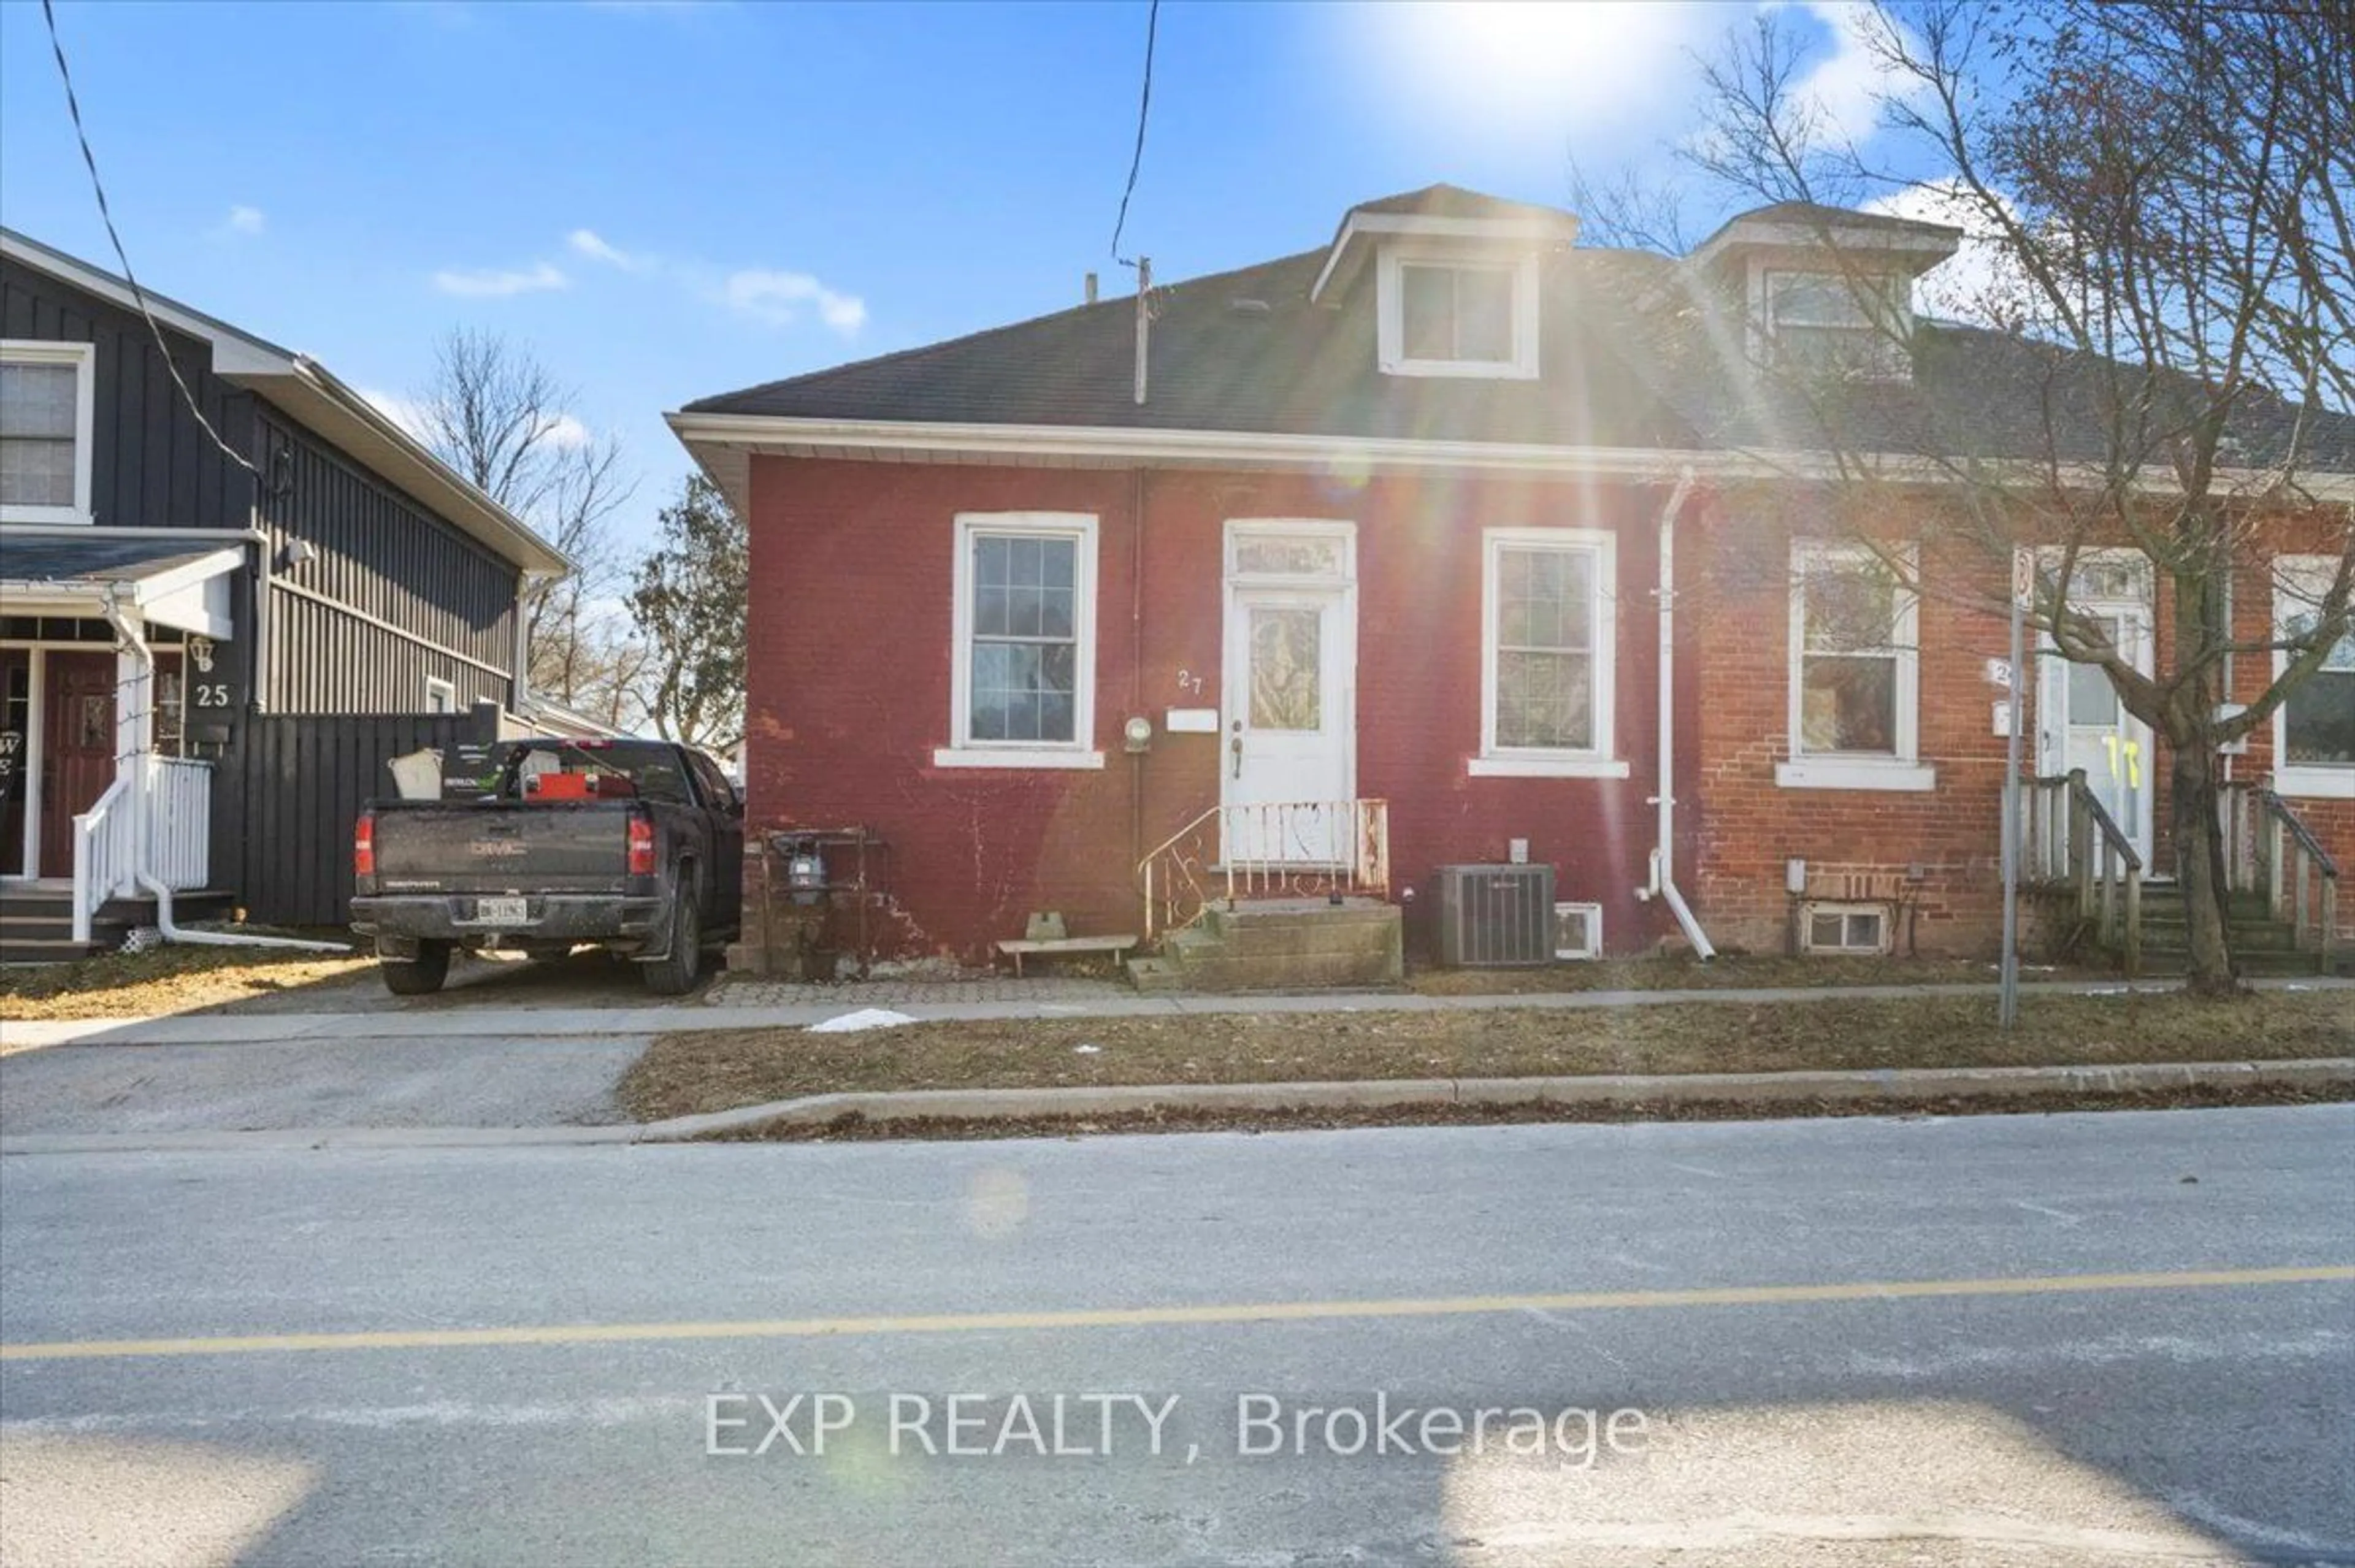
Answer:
(635, 846)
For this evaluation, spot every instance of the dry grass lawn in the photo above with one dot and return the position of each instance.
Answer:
(716, 1070)
(169, 979)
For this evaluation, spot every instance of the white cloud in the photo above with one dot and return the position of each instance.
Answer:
(242, 220)
(492, 282)
(564, 431)
(1982, 282)
(1845, 89)
(402, 411)
(593, 245)
(780, 298)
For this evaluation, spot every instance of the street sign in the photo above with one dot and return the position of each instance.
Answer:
(2023, 579)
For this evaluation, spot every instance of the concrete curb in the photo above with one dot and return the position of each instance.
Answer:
(445, 1023)
(1845, 1088)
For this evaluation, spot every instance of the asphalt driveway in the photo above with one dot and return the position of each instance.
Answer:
(489, 1081)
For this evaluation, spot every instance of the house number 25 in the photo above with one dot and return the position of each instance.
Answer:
(210, 693)
(1189, 681)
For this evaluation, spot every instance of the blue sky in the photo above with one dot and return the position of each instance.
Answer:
(665, 201)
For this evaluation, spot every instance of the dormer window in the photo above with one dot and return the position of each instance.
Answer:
(1826, 322)
(1457, 312)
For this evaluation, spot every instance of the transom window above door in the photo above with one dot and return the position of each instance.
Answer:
(45, 417)
(1022, 683)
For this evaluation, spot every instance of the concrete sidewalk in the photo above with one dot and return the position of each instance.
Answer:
(1061, 1002)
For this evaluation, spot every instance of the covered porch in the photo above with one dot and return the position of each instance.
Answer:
(119, 680)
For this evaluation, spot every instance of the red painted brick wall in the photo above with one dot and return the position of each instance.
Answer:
(850, 666)
(1934, 857)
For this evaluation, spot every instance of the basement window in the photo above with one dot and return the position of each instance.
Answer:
(1577, 930)
(1844, 928)
(1022, 683)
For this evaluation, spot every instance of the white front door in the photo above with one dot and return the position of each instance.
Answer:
(1289, 738)
(2082, 723)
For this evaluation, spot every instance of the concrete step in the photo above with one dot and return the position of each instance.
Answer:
(2261, 963)
(1153, 976)
(2247, 935)
(1288, 972)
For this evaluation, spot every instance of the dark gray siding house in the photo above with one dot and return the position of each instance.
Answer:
(204, 664)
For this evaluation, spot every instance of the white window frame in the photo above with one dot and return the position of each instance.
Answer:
(1080, 751)
(1391, 311)
(1811, 911)
(1887, 359)
(2316, 781)
(84, 358)
(1599, 761)
(1593, 948)
(445, 689)
(1904, 770)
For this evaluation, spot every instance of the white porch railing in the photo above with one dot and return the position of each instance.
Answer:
(103, 851)
(180, 822)
(174, 795)
(1274, 849)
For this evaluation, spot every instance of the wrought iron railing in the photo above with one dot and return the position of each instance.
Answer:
(1268, 850)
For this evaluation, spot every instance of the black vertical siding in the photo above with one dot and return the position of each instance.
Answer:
(284, 803)
(382, 554)
(151, 465)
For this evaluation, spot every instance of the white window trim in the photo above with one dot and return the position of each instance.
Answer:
(1391, 311)
(446, 688)
(1888, 360)
(1599, 761)
(1594, 912)
(1904, 771)
(963, 752)
(2312, 780)
(1810, 911)
(84, 358)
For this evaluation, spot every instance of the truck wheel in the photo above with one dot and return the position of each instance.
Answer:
(419, 976)
(674, 976)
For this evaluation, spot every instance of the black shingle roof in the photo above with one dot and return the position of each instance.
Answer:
(1629, 359)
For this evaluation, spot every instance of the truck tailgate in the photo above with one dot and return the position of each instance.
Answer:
(494, 845)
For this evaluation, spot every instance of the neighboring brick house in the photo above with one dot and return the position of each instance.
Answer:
(1385, 521)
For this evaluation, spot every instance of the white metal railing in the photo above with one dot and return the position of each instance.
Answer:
(180, 822)
(1270, 849)
(103, 850)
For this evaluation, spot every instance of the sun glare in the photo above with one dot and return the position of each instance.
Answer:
(1541, 65)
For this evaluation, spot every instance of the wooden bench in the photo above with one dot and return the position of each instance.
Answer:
(1062, 946)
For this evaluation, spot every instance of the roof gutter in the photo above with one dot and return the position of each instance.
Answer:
(1118, 446)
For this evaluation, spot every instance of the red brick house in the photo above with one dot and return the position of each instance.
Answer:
(1425, 516)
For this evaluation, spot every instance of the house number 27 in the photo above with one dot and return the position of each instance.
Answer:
(1189, 681)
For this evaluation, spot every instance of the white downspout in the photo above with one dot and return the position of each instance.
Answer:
(1663, 883)
(128, 630)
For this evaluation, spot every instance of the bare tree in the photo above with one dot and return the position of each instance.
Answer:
(497, 416)
(2169, 188)
(689, 596)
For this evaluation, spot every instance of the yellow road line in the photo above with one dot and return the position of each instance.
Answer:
(1164, 1317)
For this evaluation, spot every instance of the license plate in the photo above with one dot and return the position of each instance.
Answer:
(502, 912)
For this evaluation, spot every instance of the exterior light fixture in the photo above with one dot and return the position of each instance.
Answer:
(1137, 735)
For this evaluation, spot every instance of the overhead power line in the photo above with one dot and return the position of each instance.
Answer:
(73, 106)
(1144, 108)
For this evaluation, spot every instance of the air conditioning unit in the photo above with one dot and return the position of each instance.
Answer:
(1494, 917)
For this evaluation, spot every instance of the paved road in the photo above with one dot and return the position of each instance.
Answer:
(508, 1356)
